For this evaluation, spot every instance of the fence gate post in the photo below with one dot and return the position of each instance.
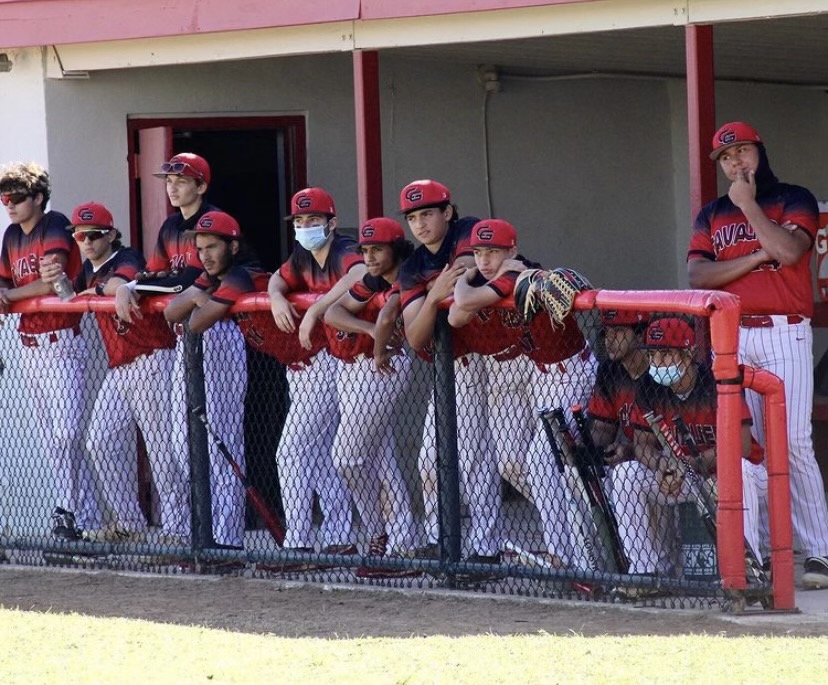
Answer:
(445, 419)
(202, 515)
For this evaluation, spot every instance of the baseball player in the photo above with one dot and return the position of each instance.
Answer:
(326, 263)
(172, 267)
(427, 278)
(497, 333)
(646, 488)
(54, 352)
(549, 367)
(203, 307)
(756, 242)
(615, 382)
(135, 390)
(610, 407)
(364, 448)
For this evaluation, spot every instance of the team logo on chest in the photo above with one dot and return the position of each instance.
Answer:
(732, 234)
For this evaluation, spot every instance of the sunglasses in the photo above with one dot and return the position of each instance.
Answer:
(80, 236)
(13, 198)
(180, 168)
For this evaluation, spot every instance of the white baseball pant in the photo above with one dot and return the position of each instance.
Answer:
(225, 385)
(138, 394)
(563, 385)
(54, 364)
(648, 519)
(511, 418)
(786, 350)
(304, 456)
(479, 476)
(364, 447)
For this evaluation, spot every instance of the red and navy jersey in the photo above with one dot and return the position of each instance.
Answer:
(546, 344)
(125, 342)
(302, 272)
(237, 281)
(176, 252)
(373, 291)
(721, 232)
(613, 396)
(423, 266)
(20, 265)
(495, 330)
(698, 410)
(260, 332)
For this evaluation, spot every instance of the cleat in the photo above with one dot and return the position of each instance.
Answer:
(816, 573)
(64, 525)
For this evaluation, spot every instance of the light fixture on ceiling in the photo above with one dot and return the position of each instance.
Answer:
(5, 62)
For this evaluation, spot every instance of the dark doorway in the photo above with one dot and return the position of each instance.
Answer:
(257, 163)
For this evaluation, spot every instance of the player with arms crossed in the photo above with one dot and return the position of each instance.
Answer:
(364, 450)
(646, 489)
(328, 264)
(54, 351)
(756, 242)
(135, 390)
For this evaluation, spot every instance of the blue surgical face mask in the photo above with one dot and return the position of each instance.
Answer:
(312, 238)
(666, 375)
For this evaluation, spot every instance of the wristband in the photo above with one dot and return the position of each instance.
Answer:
(99, 289)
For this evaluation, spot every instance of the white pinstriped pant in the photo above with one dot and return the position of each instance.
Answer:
(786, 350)
(304, 456)
(365, 451)
(55, 373)
(225, 385)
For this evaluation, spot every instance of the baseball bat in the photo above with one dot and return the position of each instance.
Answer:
(596, 472)
(272, 523)
(699, 489)
(585, 517)
(754, 566)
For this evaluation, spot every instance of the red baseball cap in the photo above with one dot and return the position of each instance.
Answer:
(493, 233)
(379, 231)
(311, 201)
(670, 332)
(623, 317)
(216, 223)
(92, 214)
(186, 164)
(422, 194)
(733, 133)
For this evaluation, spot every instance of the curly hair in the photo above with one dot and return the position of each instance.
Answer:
(29, 177)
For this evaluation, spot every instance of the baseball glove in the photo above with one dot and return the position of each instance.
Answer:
(554, 291)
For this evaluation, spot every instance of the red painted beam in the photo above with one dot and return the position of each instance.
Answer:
(27, 23)
(368, 134)
(385, 9)
(701, 115)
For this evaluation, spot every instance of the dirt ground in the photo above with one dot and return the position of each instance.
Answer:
(295, 609)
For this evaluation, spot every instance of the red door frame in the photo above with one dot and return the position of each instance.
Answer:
(295, 147)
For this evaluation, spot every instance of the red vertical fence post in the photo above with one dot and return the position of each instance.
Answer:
(779, 488)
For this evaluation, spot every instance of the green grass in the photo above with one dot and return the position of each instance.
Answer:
(55, 648)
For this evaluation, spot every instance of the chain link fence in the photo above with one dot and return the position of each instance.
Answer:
(501, 460)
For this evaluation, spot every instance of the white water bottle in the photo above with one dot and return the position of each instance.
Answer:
(63, 287)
